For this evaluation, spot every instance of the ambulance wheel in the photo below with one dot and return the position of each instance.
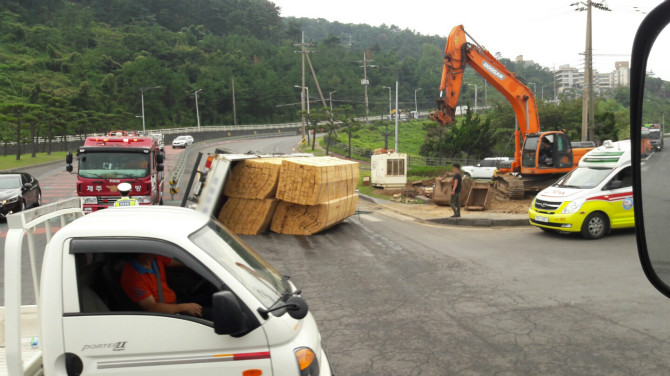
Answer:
(595, 226)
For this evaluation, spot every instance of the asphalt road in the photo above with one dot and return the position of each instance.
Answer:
(393, 296)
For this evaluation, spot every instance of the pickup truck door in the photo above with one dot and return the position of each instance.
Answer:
(109, 342)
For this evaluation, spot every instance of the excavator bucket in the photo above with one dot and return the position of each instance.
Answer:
(479, 197)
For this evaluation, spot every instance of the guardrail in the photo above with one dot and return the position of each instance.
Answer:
(413, 160)
(177, 172)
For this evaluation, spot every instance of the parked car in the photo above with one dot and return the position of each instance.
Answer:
(485, 168)
(18, 191)
(182, 142)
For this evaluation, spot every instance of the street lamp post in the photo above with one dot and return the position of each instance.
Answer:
(416, 105)
(197, 110)
(142, 90)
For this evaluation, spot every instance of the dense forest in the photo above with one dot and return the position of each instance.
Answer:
(77, 66)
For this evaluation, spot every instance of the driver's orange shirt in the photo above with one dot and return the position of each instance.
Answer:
(139, 282)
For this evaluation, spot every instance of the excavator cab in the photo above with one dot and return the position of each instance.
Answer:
(549, 150)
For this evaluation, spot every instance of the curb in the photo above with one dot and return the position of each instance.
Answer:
(469, 222)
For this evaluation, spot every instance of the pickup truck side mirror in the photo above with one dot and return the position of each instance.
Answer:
(649, 183)
(227, 314)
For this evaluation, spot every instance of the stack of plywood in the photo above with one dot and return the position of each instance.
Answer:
(254, 179)
(296, 219)
(250, 189)
(312, 181)
(315, 193)
(299, 196)
(248, 216)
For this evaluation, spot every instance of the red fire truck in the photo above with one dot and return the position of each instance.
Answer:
(119, 157)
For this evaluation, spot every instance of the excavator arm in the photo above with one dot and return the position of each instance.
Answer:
(459, 53)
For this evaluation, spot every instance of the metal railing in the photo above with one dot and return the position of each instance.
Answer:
(413, 160)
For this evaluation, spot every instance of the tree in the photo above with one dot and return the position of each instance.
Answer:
(16, 113)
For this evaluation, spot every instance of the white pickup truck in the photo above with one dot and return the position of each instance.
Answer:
(87, 325)
(485, 169)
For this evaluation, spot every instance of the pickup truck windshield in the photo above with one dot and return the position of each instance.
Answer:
(114, 165)
(242, 262)
(584, 178)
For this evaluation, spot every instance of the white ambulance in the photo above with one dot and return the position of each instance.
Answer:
(593, 199)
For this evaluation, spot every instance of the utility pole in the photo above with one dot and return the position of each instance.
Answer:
(197, 110)
(386, 134)
(416, 105)
(234, 104)
(396, 116)
(390, 103)
(588, 105)
(302, 92)
(365, 83)
(331, 102)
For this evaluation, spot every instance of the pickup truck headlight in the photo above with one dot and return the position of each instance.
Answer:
(142, 199)
(10, 200)
(90, 200)
(573, 207)
(307, 362)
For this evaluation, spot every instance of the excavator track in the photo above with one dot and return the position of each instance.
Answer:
(511, 186)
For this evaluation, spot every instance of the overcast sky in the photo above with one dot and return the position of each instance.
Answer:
(549, 32)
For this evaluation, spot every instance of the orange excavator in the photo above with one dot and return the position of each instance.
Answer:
(538, 156)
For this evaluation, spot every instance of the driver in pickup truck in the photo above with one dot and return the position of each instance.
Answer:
(139, 281)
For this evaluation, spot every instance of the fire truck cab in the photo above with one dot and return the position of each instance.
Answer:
(107, 161)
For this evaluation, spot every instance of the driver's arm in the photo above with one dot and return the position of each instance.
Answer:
(150, 304)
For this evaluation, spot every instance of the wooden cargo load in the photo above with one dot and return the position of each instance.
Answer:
(316, 180)
(295, 219)
(254, 179)
(248, 216)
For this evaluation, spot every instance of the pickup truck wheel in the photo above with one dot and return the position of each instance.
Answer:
(595, 226)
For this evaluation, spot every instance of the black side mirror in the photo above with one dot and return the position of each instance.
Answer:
(295, 306)
(227, 314)
(27, 186)
(68, 158)
(160, 167)
(68, 168)
(160, 157)
(649, 181)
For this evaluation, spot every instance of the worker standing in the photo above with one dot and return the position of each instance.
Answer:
(125, 200)
(456, 181)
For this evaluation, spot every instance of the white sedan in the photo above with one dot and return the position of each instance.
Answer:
(485, 168)
(182, 142)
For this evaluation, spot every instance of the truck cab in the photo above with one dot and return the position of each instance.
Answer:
(592, 199)
(105, 162)
(258, 324)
